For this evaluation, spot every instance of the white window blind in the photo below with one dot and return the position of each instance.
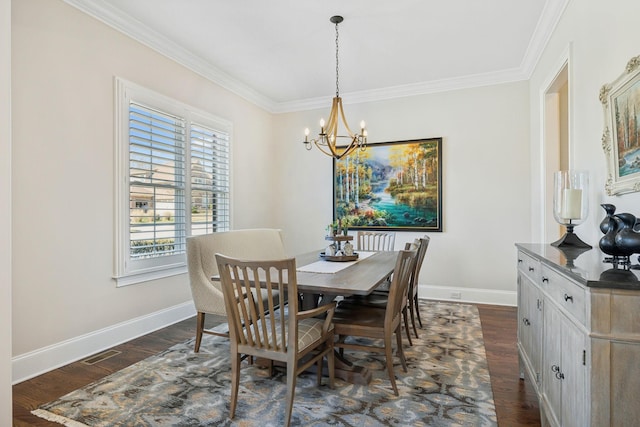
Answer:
(173, 175)
(157, 184)
(209, 180)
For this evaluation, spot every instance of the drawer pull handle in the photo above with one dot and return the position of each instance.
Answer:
(526, 321)
(556, 369)
(519, 260)
(530, 268)
(545, 279)
(568, 298)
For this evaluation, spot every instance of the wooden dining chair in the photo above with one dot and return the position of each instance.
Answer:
(298, 338)
(414, 303)
(376, 324)
(375, 241)
(410, 309)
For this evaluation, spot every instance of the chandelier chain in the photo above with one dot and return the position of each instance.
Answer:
(337, 64)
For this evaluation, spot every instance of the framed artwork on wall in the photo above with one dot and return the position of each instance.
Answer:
(390, 186)
(621, 137)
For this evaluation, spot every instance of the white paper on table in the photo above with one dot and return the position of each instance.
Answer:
(331, 267)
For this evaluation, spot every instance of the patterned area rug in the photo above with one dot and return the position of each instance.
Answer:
(447, 384)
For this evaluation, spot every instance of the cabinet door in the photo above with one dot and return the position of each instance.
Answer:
(526, 322)
(564, 369)
(552, 362)
(531, 322)
(535, 331)
(575, 412)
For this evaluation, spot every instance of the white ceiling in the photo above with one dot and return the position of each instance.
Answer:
(280, 54)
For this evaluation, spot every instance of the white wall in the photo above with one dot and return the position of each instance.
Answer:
(5, 212)
(598, 38)
(485, 182)
(63, 67)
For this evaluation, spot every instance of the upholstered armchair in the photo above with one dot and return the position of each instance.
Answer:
(255, 244)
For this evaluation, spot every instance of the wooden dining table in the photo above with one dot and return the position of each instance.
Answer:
(357, 278)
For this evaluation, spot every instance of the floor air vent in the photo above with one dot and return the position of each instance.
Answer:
(96, 358)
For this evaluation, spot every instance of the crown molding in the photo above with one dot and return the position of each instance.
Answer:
(549, 19)
(401, 91)
(106, 13)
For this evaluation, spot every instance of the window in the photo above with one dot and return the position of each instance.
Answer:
(172, 182)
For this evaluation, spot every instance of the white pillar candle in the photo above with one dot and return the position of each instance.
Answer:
(571, 204)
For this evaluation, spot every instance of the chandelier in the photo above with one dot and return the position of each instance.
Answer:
(328, 140)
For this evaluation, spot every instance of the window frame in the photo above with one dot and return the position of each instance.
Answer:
(128, 271)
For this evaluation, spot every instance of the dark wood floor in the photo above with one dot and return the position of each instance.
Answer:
(515, 400)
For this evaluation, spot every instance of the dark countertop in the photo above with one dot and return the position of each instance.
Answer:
(585, 266)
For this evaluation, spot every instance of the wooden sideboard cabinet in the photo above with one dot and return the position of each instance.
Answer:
(579, 335)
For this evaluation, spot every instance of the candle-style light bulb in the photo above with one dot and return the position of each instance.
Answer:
(306, 135)
(362, 125)
(321, 123)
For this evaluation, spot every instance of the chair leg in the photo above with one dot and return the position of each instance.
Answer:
(319, 371)
(389, 355)
(341, 339)
(199, 329)
(413, 317)
(291, 390)
(235, 383)
(331, 365)
(415, 299)
(406, 325)
(400, 351)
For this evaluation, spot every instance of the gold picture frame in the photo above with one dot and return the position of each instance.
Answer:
(621, 137)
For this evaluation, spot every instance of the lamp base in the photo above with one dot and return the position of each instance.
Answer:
(571, 240)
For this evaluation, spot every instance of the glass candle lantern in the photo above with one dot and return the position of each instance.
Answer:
(570, 204)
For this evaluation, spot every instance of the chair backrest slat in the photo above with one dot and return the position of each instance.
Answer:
(375, 240)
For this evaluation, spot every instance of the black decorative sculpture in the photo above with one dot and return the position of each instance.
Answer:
(620, 240)
(627, 239)
(608, 243)
(610, 210)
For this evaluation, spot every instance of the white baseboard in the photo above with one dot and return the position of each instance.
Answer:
(471, 295)
(37, 362)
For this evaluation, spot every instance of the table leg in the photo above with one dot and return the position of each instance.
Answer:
(349, 372)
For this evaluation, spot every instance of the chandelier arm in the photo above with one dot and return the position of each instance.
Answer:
(330, 152)
(348, 149)
(344, 120)
(332, 122)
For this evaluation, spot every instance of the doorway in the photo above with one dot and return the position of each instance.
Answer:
(556, 144)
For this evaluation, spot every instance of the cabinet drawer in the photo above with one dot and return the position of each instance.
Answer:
(566, 293)
(529, 266)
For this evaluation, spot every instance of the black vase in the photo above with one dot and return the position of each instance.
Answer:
(608, 241)
(627, 239)
(610, 210)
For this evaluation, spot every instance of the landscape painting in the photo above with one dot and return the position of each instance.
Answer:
(390, 186)
(627, 129)
(621, 136)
